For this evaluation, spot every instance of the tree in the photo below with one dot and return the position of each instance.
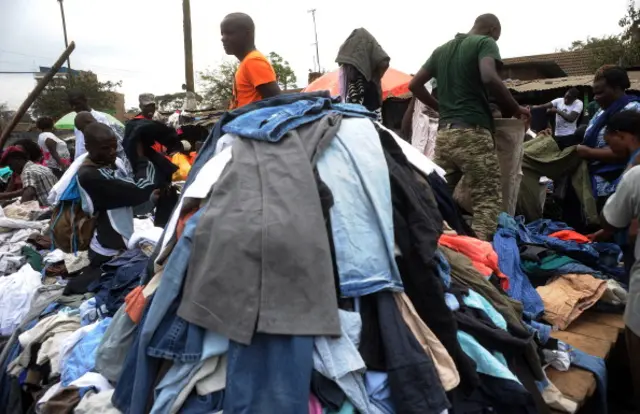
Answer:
(284, 74)
(217, 84)
(621, 49)
(53, 100)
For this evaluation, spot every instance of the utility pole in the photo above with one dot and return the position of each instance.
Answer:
(315, 31)
(188, 47)
(64, 29)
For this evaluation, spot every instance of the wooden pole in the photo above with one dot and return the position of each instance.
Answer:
(42, 83)
(64, 29)
(188, 47)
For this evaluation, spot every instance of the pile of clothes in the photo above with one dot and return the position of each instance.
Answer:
(316, 262)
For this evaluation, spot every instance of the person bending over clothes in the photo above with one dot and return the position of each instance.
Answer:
(110, 191)
(37, 180)
(620, 211)
(605, 166)
(465, 68)
(55, 151)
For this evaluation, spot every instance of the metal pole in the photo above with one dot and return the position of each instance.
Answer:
(315, 31)
(64, 29)
(42, 83)
(188, 47)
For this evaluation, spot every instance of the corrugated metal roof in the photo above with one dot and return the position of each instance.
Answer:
(562, 83)
(575, 63)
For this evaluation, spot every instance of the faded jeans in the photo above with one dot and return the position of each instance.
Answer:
(354, 168)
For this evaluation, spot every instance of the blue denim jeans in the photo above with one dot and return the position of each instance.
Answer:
(172, 340)
(209, 147)
(354, 168)
(520, 288)
(203, 404)
(272, 375)
(181, 373)
(270, 124)
(597, 366)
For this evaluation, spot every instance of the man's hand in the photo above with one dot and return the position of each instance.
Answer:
(155, 196)
(583, 151)
(523, 113)
(552, 110)
(598, 236)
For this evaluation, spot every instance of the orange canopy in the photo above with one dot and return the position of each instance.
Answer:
(394, 83)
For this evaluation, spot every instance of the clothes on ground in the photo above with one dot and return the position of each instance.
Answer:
(568, 297)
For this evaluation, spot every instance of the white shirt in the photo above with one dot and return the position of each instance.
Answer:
(61, 149)
(563, 127)
(621, 208)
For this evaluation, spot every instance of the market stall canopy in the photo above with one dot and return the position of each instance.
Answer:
(394, 83)
(66, 122)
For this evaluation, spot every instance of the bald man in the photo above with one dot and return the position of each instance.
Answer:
(465, 69)
(255, 78)
(110, 189)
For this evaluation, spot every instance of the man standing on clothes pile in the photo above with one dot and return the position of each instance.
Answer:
(465, 68)
(255, 78)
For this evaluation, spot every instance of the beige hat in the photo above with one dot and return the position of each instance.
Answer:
(146, 99)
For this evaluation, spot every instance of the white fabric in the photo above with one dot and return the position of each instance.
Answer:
(9, 224)
(61, 149)
(563, 127)
(415, 157)
(621, 208)
(51, 332)
(80, 148)
(90, 379)
(150, 236)
(615, 293)
(53, 257)
(16, 292)
(20, 236)
(76, 261)
(99, 403)
(23, 211)
(199, 188)
(424, 128)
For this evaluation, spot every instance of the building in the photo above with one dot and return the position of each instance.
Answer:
(550, 65)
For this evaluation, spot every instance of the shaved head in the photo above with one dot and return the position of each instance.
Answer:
(487, 25)
(101, 143)
(83, 119)
(238, 34)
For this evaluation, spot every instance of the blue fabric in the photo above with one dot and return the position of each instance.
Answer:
(272, 123)
(143, 368)
(176, 339)
(354, 168)
(451, 301)
(82, 358)
(443, 267)
(5, 380)
(598, 367)
(123, 393)
(596, 130)
(487, 363)
(120, 276)
(377, 384)
(595, 255)
(88, 312)
(272, 375)
(540, 330)
(209, 148)
(506, 246)
(597, 123)
(203, 404)
(181, 373)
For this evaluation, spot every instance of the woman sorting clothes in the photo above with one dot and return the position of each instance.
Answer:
(363, 62)
(605, 167)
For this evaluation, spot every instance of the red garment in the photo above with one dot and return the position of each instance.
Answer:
(570, 235)
(481, 253)
(182, 222)
(134, 304)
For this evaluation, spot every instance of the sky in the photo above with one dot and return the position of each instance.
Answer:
(140, 42)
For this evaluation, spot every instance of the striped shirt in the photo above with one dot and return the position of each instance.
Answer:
(40, 178)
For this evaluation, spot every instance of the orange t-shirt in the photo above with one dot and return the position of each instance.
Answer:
(254, 70)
